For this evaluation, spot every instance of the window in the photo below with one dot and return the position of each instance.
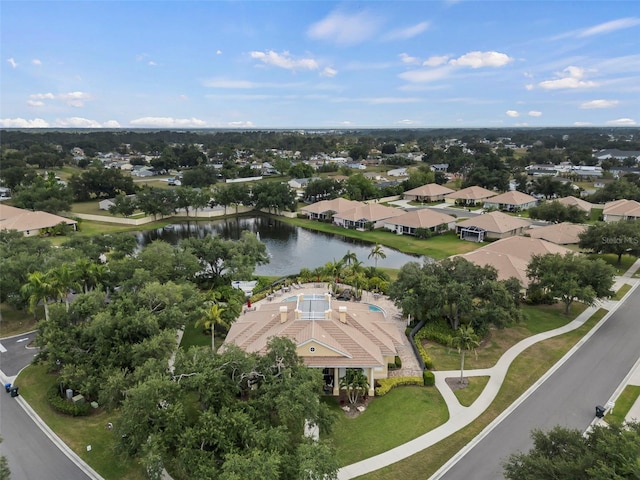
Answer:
(312, 349)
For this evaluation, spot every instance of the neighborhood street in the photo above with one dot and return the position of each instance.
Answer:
(568, 398)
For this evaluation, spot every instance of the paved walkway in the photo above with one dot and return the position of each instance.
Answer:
(460, 416)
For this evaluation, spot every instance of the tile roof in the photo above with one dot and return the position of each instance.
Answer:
(496, 222)
(371, 212)
(627, 208)
(472, 193)
(336, 205)
(578, 202)
(513, 197)
(429, 190)
(422, 218)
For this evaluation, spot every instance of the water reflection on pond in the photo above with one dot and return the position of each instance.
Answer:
(290, 248)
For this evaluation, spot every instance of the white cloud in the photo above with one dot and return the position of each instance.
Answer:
(77, 122)
(390, 100)
(183, 97)
(12, 62)
(534, 113)
(345, 29)
(611, 26)
(328, 72)
(406, 58)
(285, 60)
(570, 77)
(23, 123)
(169, 122)
(151, 63)
(512, 113)
(35, 103)
(112, 124)
(42, 96)
(407, 122)
(74, 99)
(218, 52)
(225, 83)
(36, 61)
(582, 124)
(423, 76)
(245, 124)
(599, 104)
(529, 86)
(435, 61)
(622, 122)
(409, 32)
(482, 59)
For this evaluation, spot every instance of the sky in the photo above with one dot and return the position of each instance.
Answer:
(319, 64)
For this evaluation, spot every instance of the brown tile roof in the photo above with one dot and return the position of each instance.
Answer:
(336, 205)
(511, 256)
(429, 190)
(559, 233)
(422, 218)
(371, 212)
(513, 197)
(578, 202)
(363, 341)
(12, 218)
(472, 193)
(626, 208)
(496, 222)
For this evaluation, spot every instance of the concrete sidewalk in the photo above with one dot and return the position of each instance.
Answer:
(460, 416)
(634, 411)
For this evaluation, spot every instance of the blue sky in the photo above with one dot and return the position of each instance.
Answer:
(319, 64)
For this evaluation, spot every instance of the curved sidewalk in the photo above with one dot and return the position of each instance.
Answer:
(460, 416)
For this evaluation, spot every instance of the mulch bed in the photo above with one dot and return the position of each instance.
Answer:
(455, 384)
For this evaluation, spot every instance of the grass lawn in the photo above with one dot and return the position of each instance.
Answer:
(195, 337)
(15, 322)
(625, 262)
(79, 432)
(623, 404)
(524, 371)
(438, 247)
(622, 291)
(539, 318)
(401, 415)
(466, 396)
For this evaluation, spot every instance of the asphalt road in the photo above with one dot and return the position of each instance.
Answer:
(31, 454)
(568, 397)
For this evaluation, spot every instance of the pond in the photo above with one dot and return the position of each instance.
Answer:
(290, 248)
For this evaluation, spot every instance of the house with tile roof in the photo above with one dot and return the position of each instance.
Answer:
(511, 256)
(329, 335)
(513, 201)
(469, 196)
(325, 209)
(565, 233)
(578, 202)
(371, 215)
(28, 222)
(492, 225)
(424, 218)
(621, 210)
(431, 192)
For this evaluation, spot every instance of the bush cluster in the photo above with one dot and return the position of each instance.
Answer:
(66, 407)
(428, 378)
(439, 332)
(385, 385)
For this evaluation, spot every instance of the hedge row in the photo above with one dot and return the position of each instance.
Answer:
(439, 332)
(386, 384)
(428, 362)
(66, 407)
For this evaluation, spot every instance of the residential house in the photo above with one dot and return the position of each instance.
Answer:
(440, 167)
(616, 154)
(577, 202)
(621, 210)
(491, 225)
(299, 183)
(397, 172)
(469, 196)
(559, 233)
(513, 201)
(511, 256)
(329, 335)
(424, 218)
(431, 192)
(372, 215)
(325, 209)
(28, 222)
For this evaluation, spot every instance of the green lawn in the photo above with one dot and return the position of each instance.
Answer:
(622, 291)
(15, 322)
(438, 247)
(625, 262)
(195, 337)
(79, 432)
(469, 394)
(623, 404)
(401, 415)
(524, 371)
(539, 318)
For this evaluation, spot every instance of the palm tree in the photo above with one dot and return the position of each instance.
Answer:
(350, 257)
(355, 383)
(212, 317)
(465, 340)
(376, 253)
(63, 280)
(38, 288)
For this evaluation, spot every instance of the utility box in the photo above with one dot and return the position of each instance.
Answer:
(78, 399)
(69, 393)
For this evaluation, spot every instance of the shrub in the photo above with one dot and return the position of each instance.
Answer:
(426, 358)
(428, 378)
(64, 406)
(386, 384)
(439, 332)
(398, 363)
